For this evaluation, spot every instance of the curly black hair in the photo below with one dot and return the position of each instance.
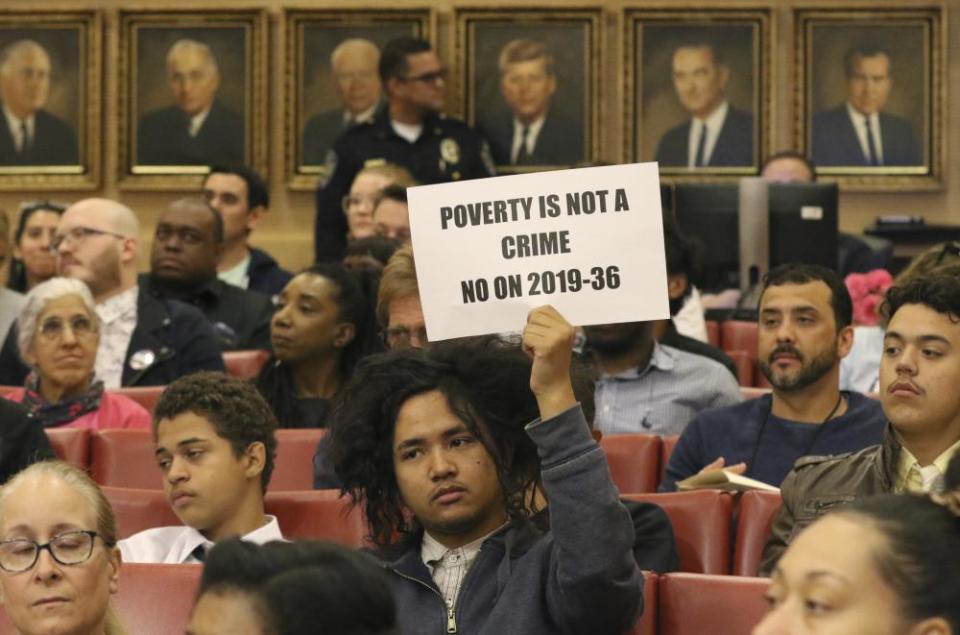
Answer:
(232, 406)
(938, 291)
(486, 383)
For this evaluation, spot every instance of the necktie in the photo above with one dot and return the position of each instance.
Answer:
(872, 157)
(701, 147)
(523, 156)
(24, 138)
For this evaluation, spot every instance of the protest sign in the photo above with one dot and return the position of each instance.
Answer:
(589, 241)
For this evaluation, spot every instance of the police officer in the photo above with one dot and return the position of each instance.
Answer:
(410, 132)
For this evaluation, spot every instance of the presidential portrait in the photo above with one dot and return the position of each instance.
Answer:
(50, 65)
(334, 83)
(697, 94)
(868, 96)
(530, 88)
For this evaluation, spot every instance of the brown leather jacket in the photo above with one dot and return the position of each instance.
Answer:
(818, 484)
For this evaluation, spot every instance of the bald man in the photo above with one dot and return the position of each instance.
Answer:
(144, 341)
(197, 129)
(354, 68)
(29, 135)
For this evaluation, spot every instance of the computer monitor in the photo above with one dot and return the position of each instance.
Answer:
(803, 227)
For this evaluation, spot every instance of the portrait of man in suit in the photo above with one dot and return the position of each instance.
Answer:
(198, 129)
(29, 134)
(858, 132)
(353, 64)
(717, 134)
(533, 133)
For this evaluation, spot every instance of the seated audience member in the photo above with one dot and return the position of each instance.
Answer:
(320, 331)
(215, 445)
(59, 562)
(646, 387)
(33, 261)
(391, 216)
(860, 370)
(884, 565)
(300, 588)
(10, 301)
(803, 333)
(144, 341)
(434, 443)
(919, 375)
(370, 254)
(183, 266)
(22, 441)
(241, 198)
(681, 269)
(359, 203)
(398, 303)
(59, 336)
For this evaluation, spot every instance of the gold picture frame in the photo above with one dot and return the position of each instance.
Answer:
(664, 45)
(172, 130)
(61, 148)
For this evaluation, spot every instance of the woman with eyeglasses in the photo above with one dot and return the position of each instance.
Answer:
(320, 330)
(59, 563)
(33, 260)
(58, 336)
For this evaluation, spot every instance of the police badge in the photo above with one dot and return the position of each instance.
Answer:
(450, 150)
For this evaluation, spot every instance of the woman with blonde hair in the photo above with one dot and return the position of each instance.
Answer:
(59, 561)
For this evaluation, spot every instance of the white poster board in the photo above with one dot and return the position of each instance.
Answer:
(588, 241)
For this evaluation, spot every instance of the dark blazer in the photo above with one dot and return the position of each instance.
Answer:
(560, 141)
(319, 134)
(834, 140)
(180, 338)
(734, 147)
(54, 143)
(265, 275)
(163, 138)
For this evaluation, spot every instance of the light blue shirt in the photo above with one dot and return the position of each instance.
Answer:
(663, 397)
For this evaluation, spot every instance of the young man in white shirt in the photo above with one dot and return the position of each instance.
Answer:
(215, 444)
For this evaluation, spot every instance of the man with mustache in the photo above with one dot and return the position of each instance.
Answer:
(804, 331)
(919, 375)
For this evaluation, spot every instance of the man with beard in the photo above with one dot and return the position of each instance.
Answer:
(804, 332)
(646, 387)
(187, 244)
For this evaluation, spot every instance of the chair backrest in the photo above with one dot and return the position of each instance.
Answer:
(293, 468)
(739, 335)
(139, 509)
(691, 604)
(669, 442)
(124, 458)
(746, 366)
(647, 624)
(757, 509)
(156, 599)
(713, 333)
(318, 514)
(245, 364)
(146, 396)
(5, 390)
(701, 525)
(71, 445)
(634, 461)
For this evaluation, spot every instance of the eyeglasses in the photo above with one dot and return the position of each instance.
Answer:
(52, 328)
(79, 234)
(72, 547)
(427, 78)
(400, 337)
(949, 249)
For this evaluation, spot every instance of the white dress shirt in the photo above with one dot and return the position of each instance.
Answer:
(859, 121)
(196, 122)
(118, 319)
(15, 124)
(714, 123)
(177, 545)
(532, 135)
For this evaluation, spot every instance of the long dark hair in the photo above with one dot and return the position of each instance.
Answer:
(17, 278)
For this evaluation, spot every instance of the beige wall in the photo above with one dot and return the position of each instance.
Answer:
(287, 231)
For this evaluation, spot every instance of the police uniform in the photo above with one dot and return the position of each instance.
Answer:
(446, 150)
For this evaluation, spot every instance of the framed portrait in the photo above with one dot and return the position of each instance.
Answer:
(192, 93)
(332, 77)
(870, 96)
(698, 89)
(50, 93)
(529, 83)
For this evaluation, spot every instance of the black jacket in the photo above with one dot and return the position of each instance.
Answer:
(265, 275)
(734, 146)
(560, 141)
(240, 318)
(22, 440)
(54, 143)
(163, 138)
(180, 338)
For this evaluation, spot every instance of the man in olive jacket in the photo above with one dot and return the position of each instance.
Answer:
(919, 375)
